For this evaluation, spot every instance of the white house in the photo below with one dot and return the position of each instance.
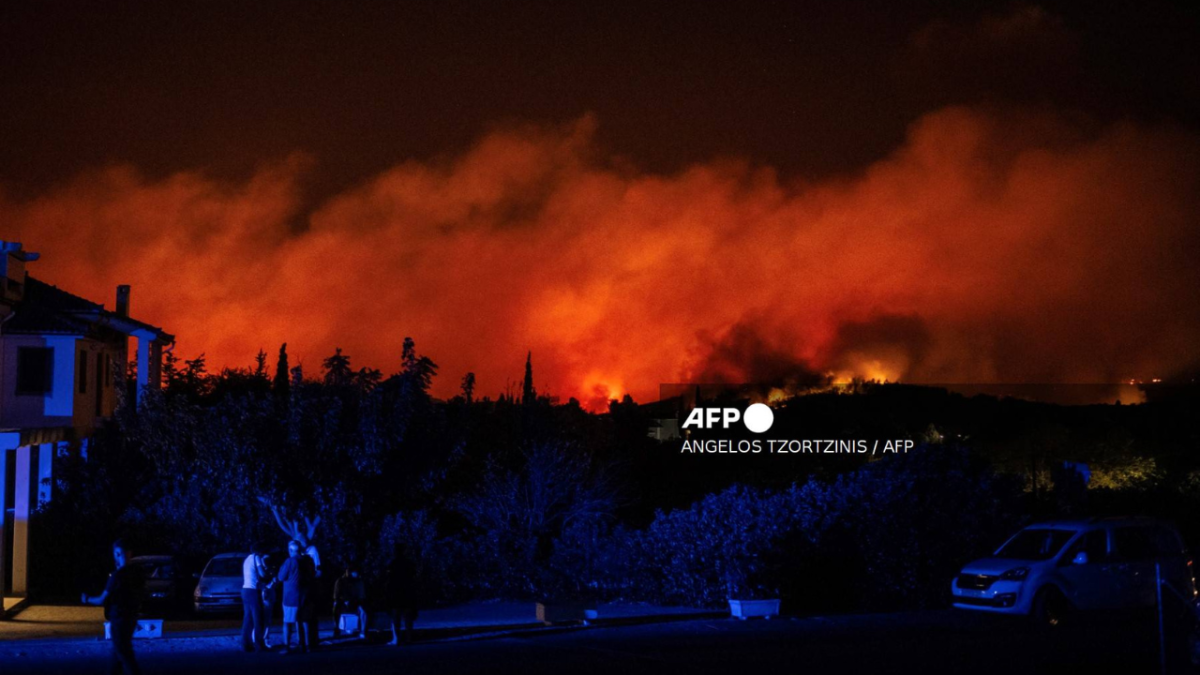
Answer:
(61, 363)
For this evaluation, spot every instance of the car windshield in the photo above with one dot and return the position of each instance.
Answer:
(224, 567)
(1035, 544)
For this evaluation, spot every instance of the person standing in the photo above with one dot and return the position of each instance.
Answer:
(316, 593)
(270, 596)
(350, 596)
(296, 574)
(402, 595)
(310, 550)
(122, 600)
(254, 572)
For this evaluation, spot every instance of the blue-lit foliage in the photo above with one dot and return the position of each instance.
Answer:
(887, 534)
(508, 498)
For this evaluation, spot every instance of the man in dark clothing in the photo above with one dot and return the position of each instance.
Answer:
(309, 611)
(402, 590)
(122, 601)
(270, 596)
(296, 574)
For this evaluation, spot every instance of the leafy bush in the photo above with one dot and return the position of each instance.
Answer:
(911, 521)
(715, 549)
(889, 534)
(549, 497)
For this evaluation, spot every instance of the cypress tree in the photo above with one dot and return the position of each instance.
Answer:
(528, 393)
(283, 384)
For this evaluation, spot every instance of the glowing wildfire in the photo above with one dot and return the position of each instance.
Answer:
(982, 250)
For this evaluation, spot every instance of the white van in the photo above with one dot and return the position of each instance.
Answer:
(1052, 568)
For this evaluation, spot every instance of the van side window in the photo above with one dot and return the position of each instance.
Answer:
(1094, 543)
(1134, 543)
(1166, 542)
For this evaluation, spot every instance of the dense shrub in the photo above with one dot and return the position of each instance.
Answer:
(716, 549)
(889, 534)
(546, 498)
(507, 499)
(911, 521)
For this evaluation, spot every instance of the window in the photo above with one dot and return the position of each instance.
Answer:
(35, 370)
(1035, 544)
(1165, 541)
(224, 567)
(1094, 543)
(1134, 543)
(156, 569)
(100, 360)
(82, 369)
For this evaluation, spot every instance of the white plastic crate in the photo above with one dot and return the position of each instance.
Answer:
(348, 623)
(146, 629)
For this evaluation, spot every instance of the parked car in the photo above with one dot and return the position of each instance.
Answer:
(220, 585)
(164, 584)
(1051, 569)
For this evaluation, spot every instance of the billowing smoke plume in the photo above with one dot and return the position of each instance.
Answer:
(990, 247)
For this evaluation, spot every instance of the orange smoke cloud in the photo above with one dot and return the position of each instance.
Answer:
(987, 248)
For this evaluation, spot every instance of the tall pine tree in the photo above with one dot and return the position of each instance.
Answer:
(337, 369)
(468, 388)
(528, 393)
(260, 365)
(282, 387)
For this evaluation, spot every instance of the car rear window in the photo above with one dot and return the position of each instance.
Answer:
(224, 567)
(1035, 544)
(157, 570)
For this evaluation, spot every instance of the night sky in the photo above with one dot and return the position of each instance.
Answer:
(810, 88)
(639, 192)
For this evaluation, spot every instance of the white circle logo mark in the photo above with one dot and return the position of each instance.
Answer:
(759, 417)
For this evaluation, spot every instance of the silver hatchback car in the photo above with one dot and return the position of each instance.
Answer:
(220, 585)
(1055, 567)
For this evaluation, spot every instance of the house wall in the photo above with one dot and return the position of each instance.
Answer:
(101, 382)
(64, 406)
(57, 408)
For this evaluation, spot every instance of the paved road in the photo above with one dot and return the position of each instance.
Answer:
(66, 621)
(926, 643)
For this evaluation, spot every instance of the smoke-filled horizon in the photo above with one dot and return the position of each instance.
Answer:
(988, 247)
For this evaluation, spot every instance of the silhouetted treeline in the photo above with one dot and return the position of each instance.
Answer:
(519, 497)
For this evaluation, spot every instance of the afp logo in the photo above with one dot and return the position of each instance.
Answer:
(758, 418)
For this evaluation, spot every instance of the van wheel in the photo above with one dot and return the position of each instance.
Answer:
(1050, 607)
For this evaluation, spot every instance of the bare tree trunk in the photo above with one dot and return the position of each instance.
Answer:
(291, 527)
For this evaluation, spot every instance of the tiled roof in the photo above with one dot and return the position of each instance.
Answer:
(56, 299)
(33, 319)
(49, 309)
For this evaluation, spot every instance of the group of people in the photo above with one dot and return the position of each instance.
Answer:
(298, 578)
(297, 575)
